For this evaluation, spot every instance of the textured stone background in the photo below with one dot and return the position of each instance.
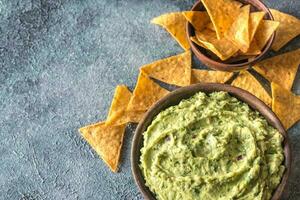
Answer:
(59, 64)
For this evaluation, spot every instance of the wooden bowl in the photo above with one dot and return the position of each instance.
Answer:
(231, 64)
(185, 92)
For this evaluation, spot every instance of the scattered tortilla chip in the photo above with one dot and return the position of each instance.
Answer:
(120, 100)
(286, 105)
(238, 32)
(222, 14)
(223, 48)
(106, 141)
(118, 113)
(246, 81)
(288, 29)
(254, 21)
(205, 76)
(280, 69)
(175, 70)
(145, 94)
(175, 24)
(195, 40)
(264, 31)
(199, 19)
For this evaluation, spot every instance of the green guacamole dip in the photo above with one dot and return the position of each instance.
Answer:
(211, 147)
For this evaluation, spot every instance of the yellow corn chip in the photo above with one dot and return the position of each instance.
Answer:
(238, 33)
(199, 19)
(175, 70)
(195, 40)
(248, 82)
(286, 105)
(222, 14)
(288, 29)
(280, 69)
(253, 50)
(145, 94)
(106, 141)
(264, 31)
(205, 76)
(223, 48)
(254, 21)
(210, 26)
(118, 113)
(175, 24)
(120, 101)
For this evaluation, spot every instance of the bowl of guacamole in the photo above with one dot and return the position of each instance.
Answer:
(210, 141)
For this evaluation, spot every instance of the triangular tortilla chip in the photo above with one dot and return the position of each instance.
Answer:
(246, 81)
(120, 101)
(254, 21)
(118, 113)
(205, 76)
(286, 105)
(175, 24)
(175, 70)
(145, 94)
(106, 141)
(264, 31)
(288, 29)
(238, 32)
(223, 48)
(127, 116)
(210, 26)
(195, 40)
(253, 50)
(222, 14)
(280, 69)
(199, 19)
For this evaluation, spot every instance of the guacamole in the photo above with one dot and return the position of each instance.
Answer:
(211, 147)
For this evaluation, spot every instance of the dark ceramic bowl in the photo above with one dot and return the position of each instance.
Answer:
(231, 64)
(185, 92)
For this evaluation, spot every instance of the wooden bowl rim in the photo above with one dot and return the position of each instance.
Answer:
(227, 66)
(174, 97)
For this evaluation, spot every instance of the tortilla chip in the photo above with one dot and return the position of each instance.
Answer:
(210, 26)
(199, 19)
(145, 94)
(286, 105)
(280, 69)
(264, 31)
(246, 81)
(254, 21)
(205, 76)
(175, 70)
(174, 23)
(195, 40)
(288, 29)
(223, 48)
(253, 50)
(125, 117)
(106, 141)
(238, 32)
(118, 113)
(222, 14)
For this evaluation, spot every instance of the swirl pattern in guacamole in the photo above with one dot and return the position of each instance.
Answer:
(211, 147)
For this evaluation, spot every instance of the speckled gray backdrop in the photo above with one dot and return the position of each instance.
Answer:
(59, 64)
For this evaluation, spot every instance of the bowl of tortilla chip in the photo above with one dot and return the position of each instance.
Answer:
(157, 150)
(229, 35)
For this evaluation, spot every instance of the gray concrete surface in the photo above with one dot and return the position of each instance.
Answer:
(59, 64)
